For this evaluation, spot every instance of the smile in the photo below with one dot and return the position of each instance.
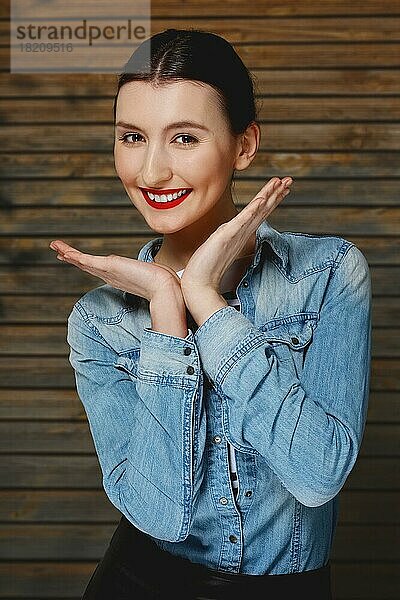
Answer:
(167, 200)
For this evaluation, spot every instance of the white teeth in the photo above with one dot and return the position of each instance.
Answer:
(166, 197)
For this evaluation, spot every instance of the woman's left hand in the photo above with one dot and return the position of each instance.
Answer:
(211, 260)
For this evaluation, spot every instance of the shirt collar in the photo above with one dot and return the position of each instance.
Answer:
(264, 233)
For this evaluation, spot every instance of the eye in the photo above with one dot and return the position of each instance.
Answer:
(184, 135)
(124, 137)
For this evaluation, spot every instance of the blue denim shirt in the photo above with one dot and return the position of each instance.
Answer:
(285, 380)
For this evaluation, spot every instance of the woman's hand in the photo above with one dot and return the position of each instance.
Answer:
(211, 260)
(127, 274)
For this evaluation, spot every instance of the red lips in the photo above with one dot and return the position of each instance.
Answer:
(164, 205)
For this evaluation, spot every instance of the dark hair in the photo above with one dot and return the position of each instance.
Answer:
(197, 55)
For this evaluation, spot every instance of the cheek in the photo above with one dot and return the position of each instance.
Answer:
(124, 167)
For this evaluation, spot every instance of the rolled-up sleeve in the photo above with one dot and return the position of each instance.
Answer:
(308, 427)
(147, 423)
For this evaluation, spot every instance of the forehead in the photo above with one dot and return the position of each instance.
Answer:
(168, 102)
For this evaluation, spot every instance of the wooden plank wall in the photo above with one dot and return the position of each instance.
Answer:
(329, 78)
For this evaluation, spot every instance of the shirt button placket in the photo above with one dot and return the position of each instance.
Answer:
(231, 552)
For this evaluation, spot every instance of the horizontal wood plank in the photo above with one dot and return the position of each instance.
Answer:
(336, 81)
(40, 580)
(330, 164)
(275, 137)
(45, 280)
(273, 8)
(56, 309)
(76, 472)
(63, 192)
(56, 372)
(65, 404)
(36, 340)
(73, 437)
(274, 55)
(36, 372)
(36, 580)
(378, 250)
(308, 109)
(59, 404)
(44, 471)
(333, 221)
(239, 31)
(89, 541)
(365, 580)
(368, 508)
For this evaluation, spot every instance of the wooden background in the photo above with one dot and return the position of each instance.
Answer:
(329, 78)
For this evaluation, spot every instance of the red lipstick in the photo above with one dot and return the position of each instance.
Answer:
(169, 203)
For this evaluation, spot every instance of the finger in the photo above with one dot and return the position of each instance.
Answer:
(271, 191)
(266, 199)
(60, 246)
(276, 196)
(262, 206)
(272, 185)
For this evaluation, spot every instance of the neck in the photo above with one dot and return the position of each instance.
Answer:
(177, 248)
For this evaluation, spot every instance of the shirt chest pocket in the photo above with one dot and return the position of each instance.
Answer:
(290, 338)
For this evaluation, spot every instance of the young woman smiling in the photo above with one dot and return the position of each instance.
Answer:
(225, 371)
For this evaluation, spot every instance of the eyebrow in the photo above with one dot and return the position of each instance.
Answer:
(176, 125)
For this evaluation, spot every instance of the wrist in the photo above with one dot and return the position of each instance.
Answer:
(203, 302)
(168, 312)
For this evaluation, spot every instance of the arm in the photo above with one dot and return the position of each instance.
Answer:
(147, 426)
(173, 320)
(308, 429)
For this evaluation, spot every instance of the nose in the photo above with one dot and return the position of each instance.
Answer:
(156, 169)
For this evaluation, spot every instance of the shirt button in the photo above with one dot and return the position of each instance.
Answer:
(245, 284)
(217, 439)
(187, 351)
(233, 539)
(223, 500)
(190, 370)
(295, 340)
(268, 352)
(248, 493)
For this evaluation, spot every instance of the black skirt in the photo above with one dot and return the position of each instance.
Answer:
(134, 567)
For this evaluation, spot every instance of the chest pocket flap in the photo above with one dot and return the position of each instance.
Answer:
(295, 330)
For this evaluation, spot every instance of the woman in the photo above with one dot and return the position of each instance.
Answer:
(225, 372)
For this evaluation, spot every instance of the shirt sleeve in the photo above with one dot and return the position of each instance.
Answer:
(307, 426)
(147, 424)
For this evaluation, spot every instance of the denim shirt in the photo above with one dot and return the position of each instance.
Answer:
(284, 380)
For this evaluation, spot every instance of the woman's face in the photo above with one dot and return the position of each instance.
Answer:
(153, 152)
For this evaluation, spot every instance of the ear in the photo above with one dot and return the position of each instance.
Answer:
(248, 145)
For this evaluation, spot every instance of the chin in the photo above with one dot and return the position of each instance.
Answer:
(164, 228)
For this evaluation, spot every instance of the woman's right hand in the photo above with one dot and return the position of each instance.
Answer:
(127, 274)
